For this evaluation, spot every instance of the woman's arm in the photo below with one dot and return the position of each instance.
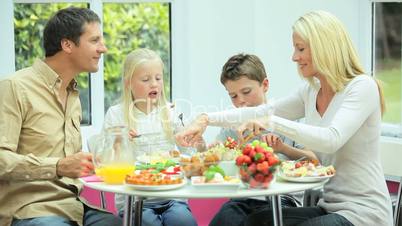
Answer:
(360, 100)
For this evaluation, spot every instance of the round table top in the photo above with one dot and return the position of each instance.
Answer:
(189, 191)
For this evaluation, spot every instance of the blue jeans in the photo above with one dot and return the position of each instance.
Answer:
(300, 216)
(166, 213)
(236, 211)
(92, 217)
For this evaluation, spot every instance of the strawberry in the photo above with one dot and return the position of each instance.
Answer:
(246, 159)
(240, 160)
(252, 154)
(259, 157)
(272, 161)
(252, 168)
(247, 149)
(259, 149)
(259, 177)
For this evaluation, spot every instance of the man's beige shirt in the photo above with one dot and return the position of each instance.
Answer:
(35, 132)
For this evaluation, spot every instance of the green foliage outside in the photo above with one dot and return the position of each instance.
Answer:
(126, 27)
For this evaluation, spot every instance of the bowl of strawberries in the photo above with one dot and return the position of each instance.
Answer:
(257, 165)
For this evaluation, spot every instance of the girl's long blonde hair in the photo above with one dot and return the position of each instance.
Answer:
(332, 51)
(133, 60)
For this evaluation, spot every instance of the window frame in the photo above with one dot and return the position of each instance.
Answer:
(389, 130)
(96, 81)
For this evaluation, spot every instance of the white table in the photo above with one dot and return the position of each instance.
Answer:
(274, 191)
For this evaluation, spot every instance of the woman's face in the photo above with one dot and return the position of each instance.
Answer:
(245, 92)
(147, 84)
(302, 56)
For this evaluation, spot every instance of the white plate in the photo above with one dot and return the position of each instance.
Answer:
(157, 187)
(214, 186)
(304, 179)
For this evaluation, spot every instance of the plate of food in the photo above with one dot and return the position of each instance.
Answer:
(153, 180)
(224, 183)
(157, 187)
(305, 171)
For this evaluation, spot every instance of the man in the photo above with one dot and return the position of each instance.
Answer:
(40, 140)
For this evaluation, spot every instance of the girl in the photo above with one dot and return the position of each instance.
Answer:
(144, 110)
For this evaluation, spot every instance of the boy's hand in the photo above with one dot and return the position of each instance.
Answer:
(76, 165)
(273, 141)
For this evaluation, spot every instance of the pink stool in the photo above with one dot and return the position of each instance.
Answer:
(205, 209)
(93, 197)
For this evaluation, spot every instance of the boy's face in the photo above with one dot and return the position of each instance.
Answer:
(87, 53)
(245, 92)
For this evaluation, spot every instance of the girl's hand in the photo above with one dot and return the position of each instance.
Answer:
(192, 134)
(132, 134)
(273, 141)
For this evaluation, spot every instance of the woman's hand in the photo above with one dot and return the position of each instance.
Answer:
(255, 127)
(273, 141)
(192, 134)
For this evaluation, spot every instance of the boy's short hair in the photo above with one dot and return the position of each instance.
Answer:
(68, 24)
(247, 65)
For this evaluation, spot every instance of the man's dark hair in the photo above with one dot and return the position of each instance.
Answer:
(240, 65)
(66, 24)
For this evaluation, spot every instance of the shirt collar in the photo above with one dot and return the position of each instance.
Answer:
(52, 79)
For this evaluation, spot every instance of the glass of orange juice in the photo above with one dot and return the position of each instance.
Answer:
(114, 173)
(112, 157)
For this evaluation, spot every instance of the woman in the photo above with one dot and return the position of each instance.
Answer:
(342, 108)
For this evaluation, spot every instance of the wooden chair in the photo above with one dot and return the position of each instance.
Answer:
(391, 158)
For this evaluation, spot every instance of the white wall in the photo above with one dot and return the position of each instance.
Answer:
(207, 32)
(7, 64)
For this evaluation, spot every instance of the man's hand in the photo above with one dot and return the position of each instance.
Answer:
(76, 165)
(192, 134)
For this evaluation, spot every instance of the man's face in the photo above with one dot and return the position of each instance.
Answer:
(245, 92)
(86, 54)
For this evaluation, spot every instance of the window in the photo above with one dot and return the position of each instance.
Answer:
(387, 62)
(130, 26)
(29, 22)
(126, 26)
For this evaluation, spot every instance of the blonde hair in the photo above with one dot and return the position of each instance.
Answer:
(332, 51)
(133, 60)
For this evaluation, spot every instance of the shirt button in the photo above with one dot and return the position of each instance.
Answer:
(49, 175)
(27, 177)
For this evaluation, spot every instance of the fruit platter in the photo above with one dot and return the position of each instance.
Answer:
(226, 151)
(257, 165)
(305, 171)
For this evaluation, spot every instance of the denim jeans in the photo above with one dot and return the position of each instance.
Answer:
(166, 213)
(300, 216)
(92, 217)
(236, 211)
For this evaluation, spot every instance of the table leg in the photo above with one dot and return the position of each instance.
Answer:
(128, 211)
(276, 210)
(138, 211)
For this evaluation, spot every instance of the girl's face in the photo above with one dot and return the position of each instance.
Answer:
(302, 56)
(147, 85)
(245, 92)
